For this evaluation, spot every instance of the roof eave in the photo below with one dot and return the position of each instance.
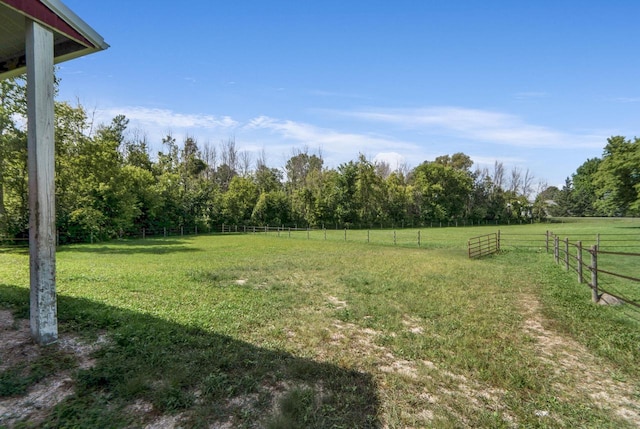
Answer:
(75, 21)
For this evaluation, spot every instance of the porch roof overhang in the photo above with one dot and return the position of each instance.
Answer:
(72, 36)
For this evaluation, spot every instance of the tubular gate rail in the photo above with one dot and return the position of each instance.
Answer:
(484, 245)
(576, 261)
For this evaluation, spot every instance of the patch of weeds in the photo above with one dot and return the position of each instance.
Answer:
(211, 277)
(17, 379)
(14, 381)
(173, 397)
(297, 408)
(94, 409)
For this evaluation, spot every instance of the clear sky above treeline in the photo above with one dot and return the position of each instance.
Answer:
(537, 85)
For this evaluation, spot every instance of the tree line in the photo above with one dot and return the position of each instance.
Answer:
(605, 186)
(108, 184)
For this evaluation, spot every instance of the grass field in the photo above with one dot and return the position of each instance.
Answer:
(289, 332)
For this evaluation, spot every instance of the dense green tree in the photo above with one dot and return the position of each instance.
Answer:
(240, 200)
(441, 191)
(584, 189)
(108, 184)
(272, 208)
(617, 181)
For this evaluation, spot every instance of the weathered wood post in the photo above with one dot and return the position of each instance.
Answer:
(418, 238)
(556, 249)
(368, 231)
(566, 254)
(325, 234)
(594, 273)
(547, 241)
(42, 212)
(579, 256)
(394, 237)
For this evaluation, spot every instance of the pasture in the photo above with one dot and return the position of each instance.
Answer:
(262, 330)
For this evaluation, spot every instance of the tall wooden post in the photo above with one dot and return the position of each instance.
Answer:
(42, 220)
(595, 296)
(579, 256)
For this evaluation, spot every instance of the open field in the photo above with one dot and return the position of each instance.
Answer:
(265, 331)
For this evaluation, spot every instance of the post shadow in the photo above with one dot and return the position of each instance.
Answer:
(212, 378)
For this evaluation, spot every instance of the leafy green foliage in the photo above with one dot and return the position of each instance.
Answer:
(108, 185)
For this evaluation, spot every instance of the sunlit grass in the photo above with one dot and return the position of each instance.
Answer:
(307, 332)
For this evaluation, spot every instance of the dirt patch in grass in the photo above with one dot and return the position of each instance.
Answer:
(18, 351)
(570, 360)
(430, 386)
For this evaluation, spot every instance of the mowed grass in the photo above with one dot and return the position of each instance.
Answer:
(266, 331)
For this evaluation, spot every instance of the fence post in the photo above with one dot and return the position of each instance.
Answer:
(594, 273)
(598, 240)
(325, 234)
(498, 241)
(556, 249)
(368, 231)
(566, 254)
(547, 241)
(418, 238)
(345, 234)
(308, 229)
(394, 237)
(289, 232)
(579, 255)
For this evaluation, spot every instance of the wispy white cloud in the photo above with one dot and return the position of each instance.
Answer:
(167, 119)
(476, 125)
(311, 135)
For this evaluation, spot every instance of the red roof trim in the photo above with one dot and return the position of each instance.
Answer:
(39, 12)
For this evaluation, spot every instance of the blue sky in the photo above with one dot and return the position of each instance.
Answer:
(535, 85)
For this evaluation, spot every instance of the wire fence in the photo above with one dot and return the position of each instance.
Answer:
(610, 272)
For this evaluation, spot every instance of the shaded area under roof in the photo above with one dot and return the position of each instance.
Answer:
(72, 36)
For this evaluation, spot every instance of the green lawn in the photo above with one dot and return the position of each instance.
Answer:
(289, 332)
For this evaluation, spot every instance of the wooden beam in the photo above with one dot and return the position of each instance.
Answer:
(42, 222)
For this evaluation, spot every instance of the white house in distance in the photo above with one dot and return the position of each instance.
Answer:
(35, 34)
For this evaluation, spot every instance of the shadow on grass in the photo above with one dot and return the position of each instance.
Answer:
(205, 377)
(157, 246)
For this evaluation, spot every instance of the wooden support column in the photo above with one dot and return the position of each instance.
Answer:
(42, 233)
